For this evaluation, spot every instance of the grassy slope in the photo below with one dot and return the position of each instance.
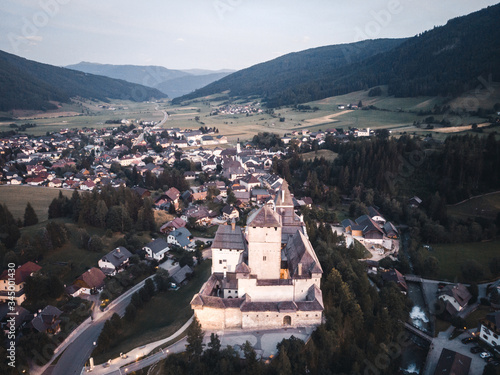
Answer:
(17, 197)
(452, 256)
(327, 154)
(162, 316)
(486, 206)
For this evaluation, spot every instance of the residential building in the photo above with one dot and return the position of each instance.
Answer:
(15, 282)
(115, 261)
(156, 249)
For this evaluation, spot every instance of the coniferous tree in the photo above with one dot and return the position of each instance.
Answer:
(195, 334)
(30, 217)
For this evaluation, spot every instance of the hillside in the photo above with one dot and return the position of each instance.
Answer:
(444, 61)
(283, 73)
(171, 82)
(26, 84)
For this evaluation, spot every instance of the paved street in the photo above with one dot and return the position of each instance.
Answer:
(263, 341)
(76, 349)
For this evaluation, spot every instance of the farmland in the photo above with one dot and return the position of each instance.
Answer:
(17, 197)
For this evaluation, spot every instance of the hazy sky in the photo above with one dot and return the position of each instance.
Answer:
(208, 34)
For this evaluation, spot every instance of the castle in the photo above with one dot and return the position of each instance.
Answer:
(266, 276)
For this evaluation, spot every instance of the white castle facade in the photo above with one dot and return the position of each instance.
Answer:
(267, 276)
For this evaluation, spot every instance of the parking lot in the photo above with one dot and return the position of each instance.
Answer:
(443, 342)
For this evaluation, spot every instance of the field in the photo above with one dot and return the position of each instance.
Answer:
(397, 114)
(486, 206)
(452, 256)
(17, 197)
(162, 316)
(89, 114)
(327, 154)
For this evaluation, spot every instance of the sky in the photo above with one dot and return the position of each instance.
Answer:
(207, 34)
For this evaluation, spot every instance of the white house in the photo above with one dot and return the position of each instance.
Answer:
(180, 237)
(489, 329)
(456, 297)
(156, 249)
(115, 261)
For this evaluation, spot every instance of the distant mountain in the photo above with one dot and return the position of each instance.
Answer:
(184, 85)
(150, 75)
(26, 84)
(201, 72)
(169, 81)
(447, 60)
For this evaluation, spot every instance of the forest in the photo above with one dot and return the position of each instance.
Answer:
(445, 61)
(28, 84)
(361, 333)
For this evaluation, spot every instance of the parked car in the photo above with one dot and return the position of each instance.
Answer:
(476, 349)
(468, 340)
(485, 355)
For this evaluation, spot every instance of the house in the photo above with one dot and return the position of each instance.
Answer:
(173, 225)
(376, 216)
(264, 277)
(20, 314)
(390, 230)
(452, 363)
(47, 320)
(91, 281)
(180, 237)
(141, 192)
(115, 261)
(229, 212)
(395, 276)
(87, 185)
(182, 274)
(489, 330)
(370, 229)
(415, 202)
(156, 249)
(13, 281)
(249, 182)
(173, 196)
(455, 297)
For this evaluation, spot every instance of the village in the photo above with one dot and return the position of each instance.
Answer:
(238, 181)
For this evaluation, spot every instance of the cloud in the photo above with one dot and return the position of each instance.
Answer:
(179, 40)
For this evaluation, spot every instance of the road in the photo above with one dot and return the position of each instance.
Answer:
(77, 351)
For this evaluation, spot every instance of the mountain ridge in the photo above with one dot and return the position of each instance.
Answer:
(445, 61)
(27, 84)
(172, 82)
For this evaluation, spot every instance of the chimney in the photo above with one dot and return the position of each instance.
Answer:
(299, 269)
(233, 225)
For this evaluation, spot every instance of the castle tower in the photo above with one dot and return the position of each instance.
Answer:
(264, 244)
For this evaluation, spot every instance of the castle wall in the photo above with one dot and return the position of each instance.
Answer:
(251, 320)
(212, 318)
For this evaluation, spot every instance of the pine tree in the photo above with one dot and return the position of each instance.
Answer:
(30, 217)
(195, 334)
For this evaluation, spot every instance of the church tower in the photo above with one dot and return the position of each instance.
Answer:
(264, 244)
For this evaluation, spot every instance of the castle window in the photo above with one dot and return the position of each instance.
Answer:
(275, 229)
(220, 261)
(264, 258)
